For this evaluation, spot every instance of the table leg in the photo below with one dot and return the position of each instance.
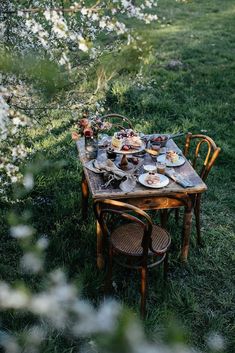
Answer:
(85, 195)
(187, 224)
(100, 256)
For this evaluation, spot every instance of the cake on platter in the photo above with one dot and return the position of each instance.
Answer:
(126, 140)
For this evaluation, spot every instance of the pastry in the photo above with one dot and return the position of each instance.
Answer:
(152, 179)
(116, 143)
(172, 156)
(126, 140)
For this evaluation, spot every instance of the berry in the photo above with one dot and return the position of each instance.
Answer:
(125, 148)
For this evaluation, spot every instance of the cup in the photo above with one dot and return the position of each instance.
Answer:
(91, 147)
(111, 154)
(161, 168)
(149, 168)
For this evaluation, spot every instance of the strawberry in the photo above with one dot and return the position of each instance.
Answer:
(125, 148)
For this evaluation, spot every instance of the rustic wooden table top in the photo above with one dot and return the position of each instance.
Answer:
(95, 181)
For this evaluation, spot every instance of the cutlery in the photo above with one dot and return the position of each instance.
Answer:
(178, 178)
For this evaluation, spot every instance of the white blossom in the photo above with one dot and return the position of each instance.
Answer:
(19, 152)
(83, 47)
(31, 263)
(21, 231)
(28, 181)
(12, 298)
(42, 242)
(19, 122)
(216, 342)
(104, 320)
(102, 24)
(4, 113)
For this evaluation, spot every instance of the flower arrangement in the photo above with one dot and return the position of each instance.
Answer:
(90, 127)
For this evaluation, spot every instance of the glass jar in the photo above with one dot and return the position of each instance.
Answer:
(91, 146)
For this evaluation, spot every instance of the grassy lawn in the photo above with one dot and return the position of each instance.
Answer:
(199, 97)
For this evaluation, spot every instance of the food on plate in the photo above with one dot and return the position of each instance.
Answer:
(126, 140)
(152, 152)
(116, 143)
(152, 179)
(172, 156)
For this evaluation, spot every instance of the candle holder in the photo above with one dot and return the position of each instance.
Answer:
(91, 146)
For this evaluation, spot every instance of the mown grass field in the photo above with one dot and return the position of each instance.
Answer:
(197, 97)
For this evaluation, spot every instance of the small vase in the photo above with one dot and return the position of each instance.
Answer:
(91, 146)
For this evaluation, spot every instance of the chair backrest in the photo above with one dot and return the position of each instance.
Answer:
(105, 207)
(128, 212)
(210, 155)
(118, 117)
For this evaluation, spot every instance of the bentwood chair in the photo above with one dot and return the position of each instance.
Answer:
(116, 118)
(202, 164)
(134, 240)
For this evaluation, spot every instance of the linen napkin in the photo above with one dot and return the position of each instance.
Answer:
(178, 178)
(107, 167)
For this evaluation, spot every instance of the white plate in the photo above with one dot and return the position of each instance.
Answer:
(162, 159)
(164, 181)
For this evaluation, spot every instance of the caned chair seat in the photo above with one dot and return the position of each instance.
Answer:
(127, 239)
(135, 240)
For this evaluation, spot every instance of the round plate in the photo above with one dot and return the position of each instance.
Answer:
(164, 181)
(162, 159)
(140, 149)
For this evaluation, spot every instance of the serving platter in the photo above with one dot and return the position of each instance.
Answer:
(130, 151)
(124, 165)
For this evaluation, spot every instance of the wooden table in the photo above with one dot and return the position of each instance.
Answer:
(144, 198)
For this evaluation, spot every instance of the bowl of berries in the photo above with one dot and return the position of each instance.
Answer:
(161, 140)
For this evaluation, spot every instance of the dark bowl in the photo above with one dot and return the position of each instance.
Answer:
(159, 143)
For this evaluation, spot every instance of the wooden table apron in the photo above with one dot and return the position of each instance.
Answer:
(144, 198)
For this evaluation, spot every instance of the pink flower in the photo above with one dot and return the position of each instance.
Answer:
(88, 132)
(84, 122)
(75, 136)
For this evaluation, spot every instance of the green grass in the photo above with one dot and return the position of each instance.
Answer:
(200, 296)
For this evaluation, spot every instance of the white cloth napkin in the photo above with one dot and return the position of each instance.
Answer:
(179, 179)
(127, 180)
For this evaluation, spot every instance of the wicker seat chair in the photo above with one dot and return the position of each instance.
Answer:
(211, 154)
(136, 244)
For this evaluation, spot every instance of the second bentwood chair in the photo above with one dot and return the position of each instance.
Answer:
(137, 243)
(121, 120)
(211, 154)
